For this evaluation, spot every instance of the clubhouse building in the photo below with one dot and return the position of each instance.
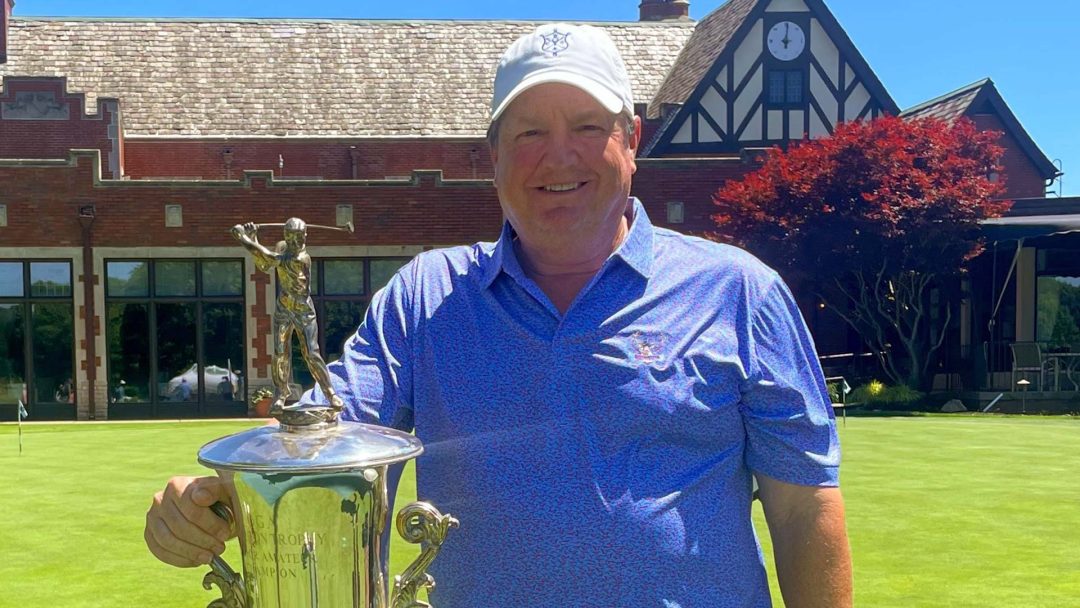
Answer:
(129, 147)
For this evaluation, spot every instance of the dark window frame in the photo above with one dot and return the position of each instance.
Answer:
(1053, 262)
(199, 300)
(27, 301)
(319, 298)
(788, 103)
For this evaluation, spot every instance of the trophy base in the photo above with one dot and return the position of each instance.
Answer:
(306, 418)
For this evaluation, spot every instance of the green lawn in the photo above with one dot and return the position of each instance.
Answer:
(942, 511)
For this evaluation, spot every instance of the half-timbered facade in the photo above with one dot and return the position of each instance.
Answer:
(129, 146)
(783, 70)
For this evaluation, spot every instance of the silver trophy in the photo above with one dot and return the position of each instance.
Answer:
(308, 498)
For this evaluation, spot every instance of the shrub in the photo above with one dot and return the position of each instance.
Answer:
(901, 397)
(260, 394)
(834, 389)
(875, 395)
(867, 392)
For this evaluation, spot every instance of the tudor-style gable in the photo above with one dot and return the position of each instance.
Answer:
(1028, 171)
(763, 72)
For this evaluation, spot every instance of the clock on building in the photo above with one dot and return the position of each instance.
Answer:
(786, 40)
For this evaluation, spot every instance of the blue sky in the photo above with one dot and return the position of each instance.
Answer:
(919, 49)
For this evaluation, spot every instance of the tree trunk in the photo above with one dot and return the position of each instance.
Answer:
(886, 309)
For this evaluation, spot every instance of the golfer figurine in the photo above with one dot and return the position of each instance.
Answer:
(294, 311)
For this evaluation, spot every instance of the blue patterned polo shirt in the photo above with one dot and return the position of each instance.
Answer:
(602, 457)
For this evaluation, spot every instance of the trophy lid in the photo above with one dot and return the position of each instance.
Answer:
(342, 446)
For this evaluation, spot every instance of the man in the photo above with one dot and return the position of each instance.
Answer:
(294, 312)
(183, 390)
(225, 389)
(595, 394)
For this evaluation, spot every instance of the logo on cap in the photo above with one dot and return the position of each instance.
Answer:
(555, 42)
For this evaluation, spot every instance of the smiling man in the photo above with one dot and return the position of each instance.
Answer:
(596, 394)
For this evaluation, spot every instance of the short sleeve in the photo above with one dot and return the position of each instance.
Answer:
(374, 374)
(790, 427)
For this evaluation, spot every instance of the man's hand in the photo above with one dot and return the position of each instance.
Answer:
(181, 530)
(810, 544)
(245, 233)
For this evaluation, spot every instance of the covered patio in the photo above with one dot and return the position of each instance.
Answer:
(1026, 338)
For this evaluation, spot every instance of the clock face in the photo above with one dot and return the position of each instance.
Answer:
(786, 40)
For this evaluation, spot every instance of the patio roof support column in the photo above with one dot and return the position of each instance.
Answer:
(1025, 295)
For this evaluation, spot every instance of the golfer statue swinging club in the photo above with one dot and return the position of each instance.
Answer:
(294, 311)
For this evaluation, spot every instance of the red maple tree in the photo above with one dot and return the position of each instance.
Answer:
(873, 220)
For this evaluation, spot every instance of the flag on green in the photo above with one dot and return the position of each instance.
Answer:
(22, 414)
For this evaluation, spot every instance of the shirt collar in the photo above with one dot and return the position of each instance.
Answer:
(502, 257)
(636, 250)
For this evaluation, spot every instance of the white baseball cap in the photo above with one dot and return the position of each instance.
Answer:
(578, 55)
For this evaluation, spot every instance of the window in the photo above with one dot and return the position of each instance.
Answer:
(175, 333)
(37, 336)
(1058, 311)
(785, 87)
(1057, 299)
(675, 213)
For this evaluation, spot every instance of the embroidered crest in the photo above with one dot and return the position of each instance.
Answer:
(555, 42)
(647, 349)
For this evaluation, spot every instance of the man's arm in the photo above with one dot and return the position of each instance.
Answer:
(245, 234)
(810, 543)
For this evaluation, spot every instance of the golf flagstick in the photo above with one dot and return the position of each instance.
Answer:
(19, 416)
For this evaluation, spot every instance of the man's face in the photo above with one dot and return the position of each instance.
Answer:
(294, 239)
(562, 169)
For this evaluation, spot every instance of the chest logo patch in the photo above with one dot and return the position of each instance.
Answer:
(647, 349)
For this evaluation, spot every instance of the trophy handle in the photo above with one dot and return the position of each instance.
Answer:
(419, 522)
(221, 574)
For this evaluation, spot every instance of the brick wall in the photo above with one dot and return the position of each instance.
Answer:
(257, 311)
(1022, 179)
(689, 181)
(5, 19)
(375, 158)
(42, 203)
(53, 136)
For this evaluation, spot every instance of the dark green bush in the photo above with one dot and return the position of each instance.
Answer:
(877, 396)
(834, 389)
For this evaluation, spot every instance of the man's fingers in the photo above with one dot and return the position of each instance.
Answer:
(190, 531)
(168, 548)
(163, 554)
(201, 494)
(180, 528)
(205, 491)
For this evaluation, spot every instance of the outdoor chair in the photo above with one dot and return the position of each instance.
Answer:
(1028, 358)
(843, 388)
(1066, 362)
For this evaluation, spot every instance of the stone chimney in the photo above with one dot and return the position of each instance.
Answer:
(660, 10)
(5, 19)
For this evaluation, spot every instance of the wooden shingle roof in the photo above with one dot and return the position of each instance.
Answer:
(200, 77)
(982, 97)
(710, 38)
(950, 106)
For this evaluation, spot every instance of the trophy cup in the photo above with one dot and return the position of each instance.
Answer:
(308, 498)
